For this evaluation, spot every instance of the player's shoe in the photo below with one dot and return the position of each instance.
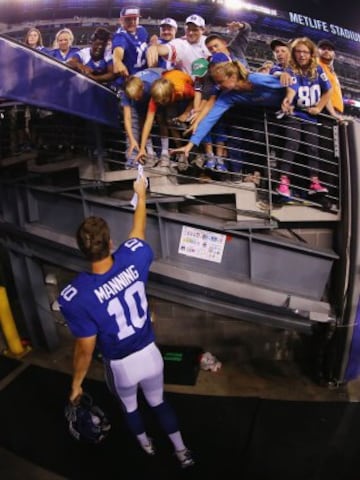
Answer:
(185, 458)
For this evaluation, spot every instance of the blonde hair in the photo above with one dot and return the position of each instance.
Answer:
(39, 42)
(133, 86)
(162, 91)
(60, 32)
(312, 68)
(228, 69)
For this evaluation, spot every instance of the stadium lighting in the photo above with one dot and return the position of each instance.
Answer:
(241, 5)
(233, 4)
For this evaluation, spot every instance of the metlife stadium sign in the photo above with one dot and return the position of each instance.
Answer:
(323, 26)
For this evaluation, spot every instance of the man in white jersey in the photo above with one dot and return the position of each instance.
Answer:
(182, 52)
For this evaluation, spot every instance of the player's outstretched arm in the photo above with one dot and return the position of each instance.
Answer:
(139, 221)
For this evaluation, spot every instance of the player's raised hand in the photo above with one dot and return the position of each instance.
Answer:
(140, 185)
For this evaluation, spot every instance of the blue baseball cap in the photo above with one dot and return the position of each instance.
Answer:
(220, 58)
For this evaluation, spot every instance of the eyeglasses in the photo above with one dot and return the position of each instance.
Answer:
(304, 52)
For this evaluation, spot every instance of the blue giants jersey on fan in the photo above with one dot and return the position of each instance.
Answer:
(308, 91)
(97, 66)
(113, 305)
(56, 53)
(134, 46)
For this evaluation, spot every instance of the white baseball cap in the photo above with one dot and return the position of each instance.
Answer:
(169, 21)
(197, 20)
(130, 12)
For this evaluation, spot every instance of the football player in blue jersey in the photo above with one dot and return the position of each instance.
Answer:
(95, 61)
(108, 308)
(129, 45)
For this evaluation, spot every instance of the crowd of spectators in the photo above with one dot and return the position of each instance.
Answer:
(185, 87)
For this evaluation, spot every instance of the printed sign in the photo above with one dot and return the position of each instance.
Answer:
(198, 243)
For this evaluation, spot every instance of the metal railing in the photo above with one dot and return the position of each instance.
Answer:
(255, 141)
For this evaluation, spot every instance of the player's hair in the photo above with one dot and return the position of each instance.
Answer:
(93, 238)
(39, 42)
(162, 91)
(133, 86)
(228, 69)
(312, 68)
(63, 30)
(102, 34)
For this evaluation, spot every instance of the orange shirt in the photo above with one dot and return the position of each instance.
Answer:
(336, 95)
(183, 84)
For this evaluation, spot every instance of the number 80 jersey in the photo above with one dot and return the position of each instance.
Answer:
(113, 305)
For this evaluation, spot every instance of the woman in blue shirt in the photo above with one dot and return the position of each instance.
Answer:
(63, 45)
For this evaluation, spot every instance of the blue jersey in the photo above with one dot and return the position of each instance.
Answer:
(148, 76)
(98, 67)
(56, 53)
(43, 50)
(308, 91)
(113, 305)
(276, 69)
(134, 46)
(267, 92)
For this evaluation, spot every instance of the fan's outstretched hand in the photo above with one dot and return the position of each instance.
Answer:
(185, 149)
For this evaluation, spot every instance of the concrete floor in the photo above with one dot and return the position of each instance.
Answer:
(256, 361)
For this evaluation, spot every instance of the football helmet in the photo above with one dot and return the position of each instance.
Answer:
(87, 422)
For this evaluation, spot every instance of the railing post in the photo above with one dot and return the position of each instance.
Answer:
(8, 325)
